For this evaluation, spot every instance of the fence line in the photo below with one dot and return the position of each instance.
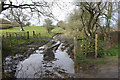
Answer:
(16, 35)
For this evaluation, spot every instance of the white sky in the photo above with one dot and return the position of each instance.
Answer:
(59, 11)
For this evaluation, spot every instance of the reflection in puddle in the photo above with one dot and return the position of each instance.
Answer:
(52, 61)
(28, 67)
(35, 66)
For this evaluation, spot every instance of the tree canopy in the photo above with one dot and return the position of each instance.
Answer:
(74, 22)
(38, 8)
(48, 25)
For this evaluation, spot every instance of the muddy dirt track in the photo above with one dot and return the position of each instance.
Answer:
(36, 62)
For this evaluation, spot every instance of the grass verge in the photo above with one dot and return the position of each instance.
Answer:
(84, 59)
(112, 53)
(13, 45)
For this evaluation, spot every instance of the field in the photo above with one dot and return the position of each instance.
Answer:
(43, 32)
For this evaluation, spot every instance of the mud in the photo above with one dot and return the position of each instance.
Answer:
(54, 60)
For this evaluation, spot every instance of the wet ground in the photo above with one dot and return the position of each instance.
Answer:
(52, 60)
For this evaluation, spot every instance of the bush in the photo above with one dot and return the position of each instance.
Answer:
(113, 51)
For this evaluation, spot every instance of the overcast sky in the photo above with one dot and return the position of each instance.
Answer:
(61, 10)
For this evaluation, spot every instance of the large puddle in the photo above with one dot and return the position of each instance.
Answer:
(35, 66)
(50, 60)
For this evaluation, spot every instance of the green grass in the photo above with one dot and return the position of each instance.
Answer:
(98, 60)
(58, 30)
(11, 45)
(22, 51)
(37, 30)
(114, 51)
(21, 41)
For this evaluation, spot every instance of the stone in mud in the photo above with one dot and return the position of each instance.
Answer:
(49, 55)
(91, 66)
(63, 47)
(66, 45)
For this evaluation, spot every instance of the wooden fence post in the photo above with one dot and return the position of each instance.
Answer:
(27, 34)
(86, 46)
(82, 51)
(6, 34)
(75, 47)
(10, 40)
(10, 35)
(3, 36)
(96, 37)
(75, 66)
(33, 33)
(16, 35)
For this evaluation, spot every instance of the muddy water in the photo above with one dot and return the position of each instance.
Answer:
(35, 66)
(52, 60)
(48, 60)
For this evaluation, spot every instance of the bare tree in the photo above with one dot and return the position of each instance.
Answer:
(35, 8)
(39, 7)
(92, 12)
(18, 16)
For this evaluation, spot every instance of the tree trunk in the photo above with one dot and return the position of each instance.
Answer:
(21, 28)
